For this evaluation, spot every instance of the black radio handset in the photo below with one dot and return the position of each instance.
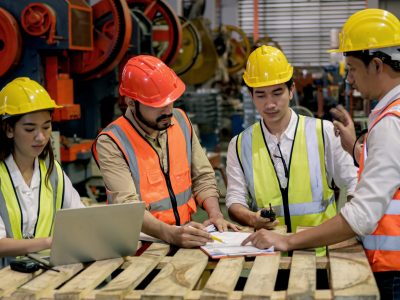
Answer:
(268, 213)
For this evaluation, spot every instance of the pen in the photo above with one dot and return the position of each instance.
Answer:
(212, 236)
(216, 239)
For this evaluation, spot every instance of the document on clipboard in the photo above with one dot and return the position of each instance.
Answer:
(231, 245)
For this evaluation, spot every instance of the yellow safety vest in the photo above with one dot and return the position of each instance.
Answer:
(307, 200)
(51, 197)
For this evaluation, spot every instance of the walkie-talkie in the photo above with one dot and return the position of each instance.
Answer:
(24, 265)
(268, 213)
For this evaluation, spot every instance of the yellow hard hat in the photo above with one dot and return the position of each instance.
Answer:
(23, 95)
(267, 66)
(369, 29)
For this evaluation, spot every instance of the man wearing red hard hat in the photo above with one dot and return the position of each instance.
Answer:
(152, 154)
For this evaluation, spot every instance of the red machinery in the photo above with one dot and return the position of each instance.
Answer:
(63, 43)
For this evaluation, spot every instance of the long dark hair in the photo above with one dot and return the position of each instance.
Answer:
(7, 145)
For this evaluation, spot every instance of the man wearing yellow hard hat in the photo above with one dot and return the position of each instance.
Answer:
(286, 160)
(370, 41)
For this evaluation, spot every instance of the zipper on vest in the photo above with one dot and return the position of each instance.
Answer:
(173, 199)
(286, 212)
(166, 174)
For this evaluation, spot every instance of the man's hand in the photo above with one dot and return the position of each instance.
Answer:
(263, 239)
(261, 222)
(220, 223)
(211, 206)
(190, 235)
(344, 127)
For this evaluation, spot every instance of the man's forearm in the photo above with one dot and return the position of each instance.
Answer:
(154, 227)
(357, 152)
(211, 206)
(242, 215)
(333, 231)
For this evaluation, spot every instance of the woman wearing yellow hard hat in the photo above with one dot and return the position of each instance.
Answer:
(32, 184)
(370, 42)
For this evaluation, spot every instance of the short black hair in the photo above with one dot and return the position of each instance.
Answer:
(366, 57)
(288, 83)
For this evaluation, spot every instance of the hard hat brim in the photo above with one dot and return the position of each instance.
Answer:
(172, 97)
(363, 48)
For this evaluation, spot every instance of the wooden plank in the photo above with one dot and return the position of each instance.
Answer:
(302, 279)
(323, 295)
(358, 283)
(279, 295)
(89, 279)
(261, 281)
(201, 283)
(178, 277)
(42, 285)
(139, 268)
(192, 295)
(11, 280)
(322, 263)
(224, 278)
(237, 295)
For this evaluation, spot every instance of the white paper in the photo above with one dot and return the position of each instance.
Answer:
(231, 245)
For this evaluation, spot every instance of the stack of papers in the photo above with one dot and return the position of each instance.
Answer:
(231, 245)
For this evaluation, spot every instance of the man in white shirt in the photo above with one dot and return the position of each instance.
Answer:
(285, 159)
(370, 40)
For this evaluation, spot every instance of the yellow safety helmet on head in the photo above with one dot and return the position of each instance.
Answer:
(369, 29)
(22, 96)
(267, 66)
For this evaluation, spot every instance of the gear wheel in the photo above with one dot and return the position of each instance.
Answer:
(10, 42)
(112, 32)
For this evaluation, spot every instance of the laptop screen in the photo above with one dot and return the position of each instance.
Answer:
(96, 233)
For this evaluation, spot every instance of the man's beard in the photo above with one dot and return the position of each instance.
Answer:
(152, 125)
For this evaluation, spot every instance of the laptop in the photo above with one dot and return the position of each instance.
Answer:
(94, 233)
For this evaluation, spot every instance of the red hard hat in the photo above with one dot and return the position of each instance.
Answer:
(148, 80)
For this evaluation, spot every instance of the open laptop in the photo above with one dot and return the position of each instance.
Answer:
(94, 233)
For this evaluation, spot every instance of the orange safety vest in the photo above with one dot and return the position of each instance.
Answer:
(382, 247)
(168, 195)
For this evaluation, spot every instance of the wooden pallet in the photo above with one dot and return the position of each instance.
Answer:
(189, 274)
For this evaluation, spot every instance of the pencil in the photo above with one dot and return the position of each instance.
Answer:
(217, 239)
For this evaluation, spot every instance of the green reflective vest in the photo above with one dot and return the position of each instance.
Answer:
(308, 200)
(51, 198)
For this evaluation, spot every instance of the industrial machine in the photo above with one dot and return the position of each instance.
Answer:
(46, 31)
(75, 50)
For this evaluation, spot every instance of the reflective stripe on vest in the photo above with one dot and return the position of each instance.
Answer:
(382, 247)
(49, 202)
(147, 173)
(311, 201)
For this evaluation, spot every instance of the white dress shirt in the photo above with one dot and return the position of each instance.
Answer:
(381, 176)
(29, 196)
(339, 164)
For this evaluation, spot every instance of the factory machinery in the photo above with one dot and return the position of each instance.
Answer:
(77, 51)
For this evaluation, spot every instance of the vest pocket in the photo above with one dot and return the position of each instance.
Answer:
(182, 177)
(155, 189)
(154, 177)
